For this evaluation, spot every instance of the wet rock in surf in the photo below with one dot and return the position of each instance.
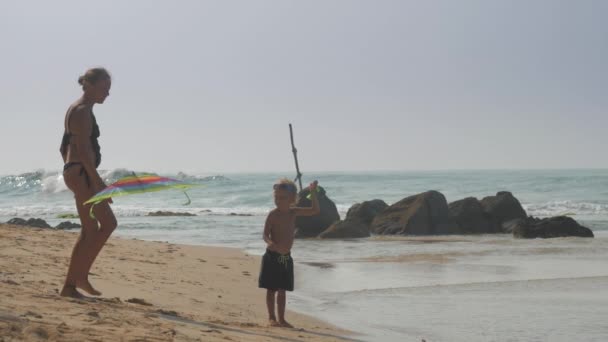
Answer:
(357, 222)
(312, 226)
(33, 222)
(559, 226)
(366, 211)
(503, 207)
(471, 218)
(422, 214)
(67, 225)
(347, 229)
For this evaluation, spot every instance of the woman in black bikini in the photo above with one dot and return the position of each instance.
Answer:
(81, 155)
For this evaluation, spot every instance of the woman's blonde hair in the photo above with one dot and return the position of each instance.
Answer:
(94, 75)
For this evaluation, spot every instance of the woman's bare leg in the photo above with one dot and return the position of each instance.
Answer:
(107, 225)
(91, 240)
(78, 262)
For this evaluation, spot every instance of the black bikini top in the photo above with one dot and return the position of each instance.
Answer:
(65, 141)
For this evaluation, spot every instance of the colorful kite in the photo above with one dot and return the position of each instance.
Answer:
(137, 184)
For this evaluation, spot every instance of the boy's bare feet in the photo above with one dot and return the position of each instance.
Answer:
(285, 324)
(70, 291)
(273, 323)
(87, 287)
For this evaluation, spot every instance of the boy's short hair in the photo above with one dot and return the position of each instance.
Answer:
(286, 184)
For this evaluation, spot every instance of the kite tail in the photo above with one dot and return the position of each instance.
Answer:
(91, 213)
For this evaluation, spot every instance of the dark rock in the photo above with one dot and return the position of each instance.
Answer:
(235, 214)
(33, 222)
(366, 211)
(357, 222)
(508, 226)
(423, 214)
(503, 207)
(168, 213)
(68, 216)
(312, 226)
(67, 225)
(468, 213)
(559, 226)
(347, 229)
(17, 221)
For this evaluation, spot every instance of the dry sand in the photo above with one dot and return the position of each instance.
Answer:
(152, 291)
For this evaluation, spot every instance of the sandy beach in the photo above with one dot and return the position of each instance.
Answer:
(152, 291)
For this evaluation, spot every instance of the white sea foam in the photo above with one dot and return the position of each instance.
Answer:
(53, 183)
(555, 208)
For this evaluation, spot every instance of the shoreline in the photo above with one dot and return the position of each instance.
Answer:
(152, 290)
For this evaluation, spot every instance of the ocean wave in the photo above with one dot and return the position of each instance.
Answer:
(190, 178)
(111, 176)
(127, 211)
(36, 211)
(556, 208)
(52, 181)
(29, 182)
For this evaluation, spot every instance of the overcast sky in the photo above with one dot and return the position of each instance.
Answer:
(210, 86)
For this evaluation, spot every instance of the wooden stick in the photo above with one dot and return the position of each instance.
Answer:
(295, 156)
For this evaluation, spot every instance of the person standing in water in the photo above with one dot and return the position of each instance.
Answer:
(81, 156)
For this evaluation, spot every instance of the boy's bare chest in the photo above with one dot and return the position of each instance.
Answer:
(284, 225)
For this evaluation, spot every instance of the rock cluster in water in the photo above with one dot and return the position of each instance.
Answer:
(429, 213)
(40, 223)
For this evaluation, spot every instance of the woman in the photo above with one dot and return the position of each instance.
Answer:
(81, 155)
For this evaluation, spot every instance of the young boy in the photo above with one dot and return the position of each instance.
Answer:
(276, 274)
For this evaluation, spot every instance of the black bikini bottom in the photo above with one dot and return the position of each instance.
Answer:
(83, 172)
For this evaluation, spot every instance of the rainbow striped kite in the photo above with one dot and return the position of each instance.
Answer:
(137, 184)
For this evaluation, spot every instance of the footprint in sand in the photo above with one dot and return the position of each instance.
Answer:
(167, 312)
(114, 300)
(249, 325)
(247, 274)
(170, 332)
(62, 327)
(94, 314)
(211, 331)
(32, 314)
(39, 333)
(10, 282)
(138, 301)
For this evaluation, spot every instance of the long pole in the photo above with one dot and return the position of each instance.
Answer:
(295, 157)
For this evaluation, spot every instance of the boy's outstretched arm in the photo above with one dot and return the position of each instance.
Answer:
(315, 209)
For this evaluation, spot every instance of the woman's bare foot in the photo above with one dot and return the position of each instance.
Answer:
(87, 287)
(285, 324)
(273, 323)
(70, 291)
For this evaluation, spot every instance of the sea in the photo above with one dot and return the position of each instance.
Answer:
(397, 288)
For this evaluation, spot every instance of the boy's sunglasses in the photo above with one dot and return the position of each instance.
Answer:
(285, 186)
